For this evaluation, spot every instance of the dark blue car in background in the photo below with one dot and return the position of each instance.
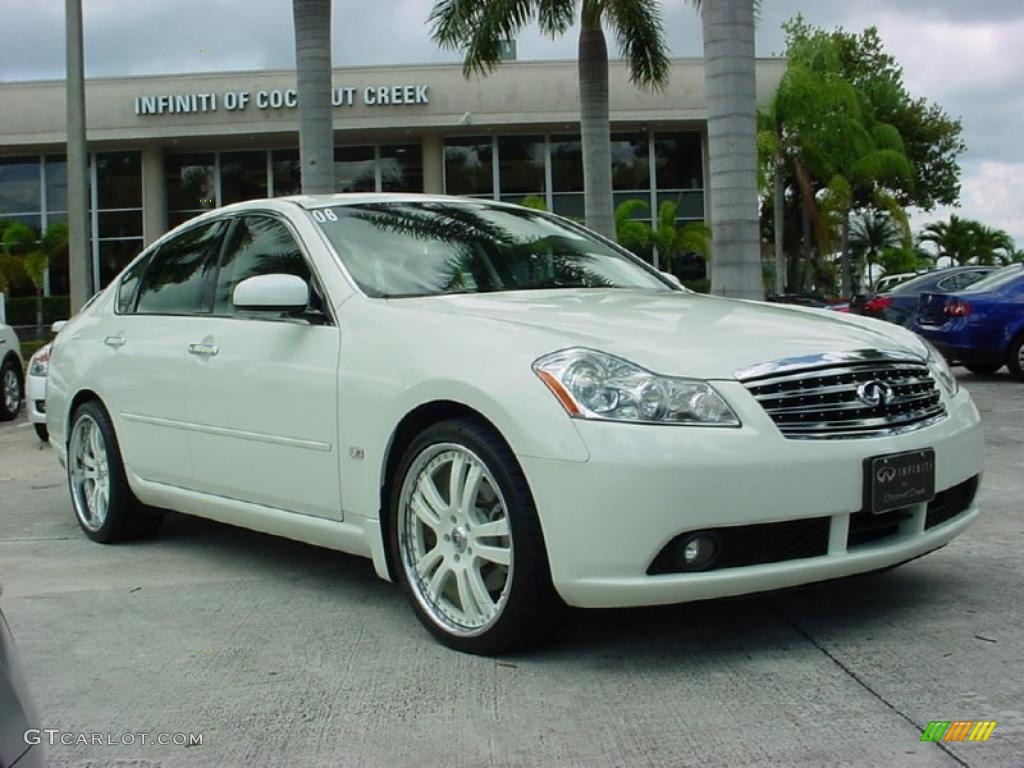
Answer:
(900, 304)
(980, 327)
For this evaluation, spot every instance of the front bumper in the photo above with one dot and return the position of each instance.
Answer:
(35, 398)
(606, 520)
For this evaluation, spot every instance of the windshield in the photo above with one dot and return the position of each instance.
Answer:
(428, 248)
(997, 279)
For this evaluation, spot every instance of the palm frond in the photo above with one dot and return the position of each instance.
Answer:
(639, 32)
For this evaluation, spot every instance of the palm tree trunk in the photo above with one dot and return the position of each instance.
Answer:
(313, 83)
(778, 216)
(80, 276)
(594, 130)
(39, 310)
(730, 86)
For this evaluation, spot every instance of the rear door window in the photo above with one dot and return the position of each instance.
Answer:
(175, 280)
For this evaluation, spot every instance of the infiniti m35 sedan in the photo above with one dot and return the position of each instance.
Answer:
(506, 412)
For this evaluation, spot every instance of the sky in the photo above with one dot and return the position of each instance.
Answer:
(967, 56)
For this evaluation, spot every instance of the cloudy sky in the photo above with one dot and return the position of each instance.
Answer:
(968, 56)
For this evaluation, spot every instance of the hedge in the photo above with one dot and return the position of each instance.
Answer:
(21, 310)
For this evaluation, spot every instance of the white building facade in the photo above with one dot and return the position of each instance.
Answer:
(164, 148)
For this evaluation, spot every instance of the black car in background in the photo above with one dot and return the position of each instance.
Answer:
(16, 713)
(900, 304)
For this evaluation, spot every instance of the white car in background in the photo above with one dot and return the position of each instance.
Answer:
(11, 391)
(505, 411)
(35, 390)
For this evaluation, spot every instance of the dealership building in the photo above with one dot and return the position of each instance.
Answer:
(164, 148)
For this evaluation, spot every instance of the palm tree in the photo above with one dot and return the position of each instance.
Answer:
(478, 27)
(870, 235)
(955, 239)
(632, 234)
(313, 84)
(730, 95)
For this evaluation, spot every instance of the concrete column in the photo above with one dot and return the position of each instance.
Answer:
(154, 194)
(433, 164)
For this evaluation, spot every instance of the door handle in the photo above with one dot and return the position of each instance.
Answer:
(207, 350)
(115, 341)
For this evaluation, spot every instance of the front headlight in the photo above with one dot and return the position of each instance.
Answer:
(595, 385)
(39, 364)
(940, 369)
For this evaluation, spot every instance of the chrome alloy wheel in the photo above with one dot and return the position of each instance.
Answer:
(454, 539)
(89, 471)
(11, 390)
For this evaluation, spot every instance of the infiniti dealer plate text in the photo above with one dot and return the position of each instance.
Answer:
(899, 480)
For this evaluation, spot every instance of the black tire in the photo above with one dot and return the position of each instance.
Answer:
(532, 610)
(983, 369)
(42, 432)
(1014, 360)
(126, 517)
(10, 374)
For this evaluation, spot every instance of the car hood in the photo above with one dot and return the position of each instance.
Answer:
(675, 333)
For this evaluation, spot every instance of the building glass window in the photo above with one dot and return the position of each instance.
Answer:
(56, 183)
(355, 169)
(287, 172)
(119, 180)
(117, 224)
(630, 162)
(521, 167)
(19, 185)
(678, 160)
(467, 166)
(567, 176)
(243, 176)
(401, 168)
(191, 185)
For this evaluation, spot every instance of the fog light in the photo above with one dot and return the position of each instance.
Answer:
(696, 552)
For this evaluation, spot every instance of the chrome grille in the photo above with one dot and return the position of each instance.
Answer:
(826, 401)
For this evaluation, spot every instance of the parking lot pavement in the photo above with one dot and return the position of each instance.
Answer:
(280, 653)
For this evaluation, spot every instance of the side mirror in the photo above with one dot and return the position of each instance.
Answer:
(672, 279)
(57, 325)
(272, 293)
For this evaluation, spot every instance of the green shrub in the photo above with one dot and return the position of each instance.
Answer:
(21, 310)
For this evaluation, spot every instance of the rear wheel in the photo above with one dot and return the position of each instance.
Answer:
(466, 542)
(105, 506)
(1015, 362)
(10, 390)
(983, 369)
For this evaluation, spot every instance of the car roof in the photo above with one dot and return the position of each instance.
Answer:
(310, 202)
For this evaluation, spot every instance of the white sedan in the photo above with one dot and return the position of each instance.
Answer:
(506, 412)
(35, 390)
(10, 373)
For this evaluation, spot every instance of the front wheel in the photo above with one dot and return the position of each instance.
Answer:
(1016, 358)
(466, 542)
(42, 432)
(104, 504)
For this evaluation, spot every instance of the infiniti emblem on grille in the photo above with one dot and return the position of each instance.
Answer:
(874, 393)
